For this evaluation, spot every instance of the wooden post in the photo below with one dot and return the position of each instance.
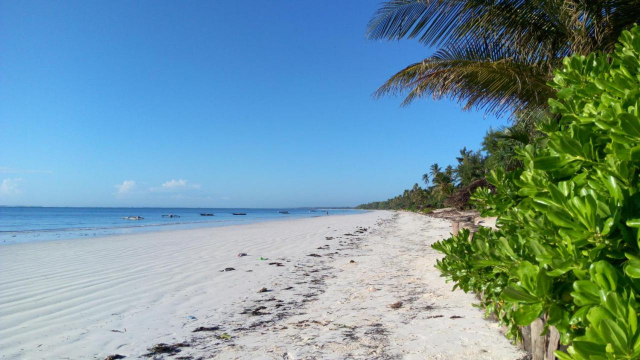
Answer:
(554, 342)
(455, 227)
(538, 346)
(526, 338)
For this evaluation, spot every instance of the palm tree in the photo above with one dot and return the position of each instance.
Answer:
(443, 185)
(496, 55)
(435, 170)
(425, 178)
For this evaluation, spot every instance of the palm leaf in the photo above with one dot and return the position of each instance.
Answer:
(485, 76)
(496, 55)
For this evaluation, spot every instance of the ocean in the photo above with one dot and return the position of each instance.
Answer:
(33, 224)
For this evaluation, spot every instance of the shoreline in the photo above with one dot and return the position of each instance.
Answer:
(328, 284)
(146, 229)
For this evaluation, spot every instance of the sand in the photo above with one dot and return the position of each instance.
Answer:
(89, 298)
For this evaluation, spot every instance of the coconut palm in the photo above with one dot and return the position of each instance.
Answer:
(496, 55)
(425, 178)
(443, 185)
(435, 170)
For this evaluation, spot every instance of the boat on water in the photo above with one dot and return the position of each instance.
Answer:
(283, 212)
(239, 213)
(133, 218)
(171, 216)
(206, 214)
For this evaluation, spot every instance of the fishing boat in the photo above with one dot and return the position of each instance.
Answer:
(205, 214)
(171, 216)
(283, 212)
(239, 213)
(133, 218)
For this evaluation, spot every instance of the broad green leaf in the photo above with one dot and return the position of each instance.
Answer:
(588, 349)
(525, 314)
(516, 293)
(585, 293)
(614, 335)
(632, 269)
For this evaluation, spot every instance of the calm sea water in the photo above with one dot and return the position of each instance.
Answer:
(31, 224)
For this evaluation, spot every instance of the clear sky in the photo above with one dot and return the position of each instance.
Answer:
(211, 103)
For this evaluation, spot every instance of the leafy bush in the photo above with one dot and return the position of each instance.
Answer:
(568, 244)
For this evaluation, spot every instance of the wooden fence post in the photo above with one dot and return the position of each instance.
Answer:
(538, 348)
(455, 227)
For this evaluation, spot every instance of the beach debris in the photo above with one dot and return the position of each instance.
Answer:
(306, 323)
(262, 258)
(119, 331)
(227, 269)
(241, 255)
(329, 238)
(115, 357)
(434, 316)
(204, 328)
(225, 336)
(372, 289)
(258, 311)
(289, 288)
(456, 317)
(255, 312)
(191, 317)
(276, 263)
(163, 348)
(395, 305)
(352, 262)
(263, 290)
(314, 255)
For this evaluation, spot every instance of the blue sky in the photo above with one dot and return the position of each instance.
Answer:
(213, 104)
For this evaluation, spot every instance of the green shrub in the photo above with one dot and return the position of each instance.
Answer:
(568, 244)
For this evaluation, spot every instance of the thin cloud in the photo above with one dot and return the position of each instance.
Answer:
(11, 186)
(176, 185)
(173, 184)
(127, 186)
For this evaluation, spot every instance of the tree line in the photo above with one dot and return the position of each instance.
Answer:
(452, 186)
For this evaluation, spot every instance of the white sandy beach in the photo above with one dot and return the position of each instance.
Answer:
(89, 298)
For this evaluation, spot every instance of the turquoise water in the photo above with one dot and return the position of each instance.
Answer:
(32, 224)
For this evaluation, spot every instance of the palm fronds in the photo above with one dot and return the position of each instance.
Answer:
(496, 55)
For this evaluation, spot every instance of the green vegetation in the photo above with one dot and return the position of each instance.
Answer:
(563, 180)
(568, 243)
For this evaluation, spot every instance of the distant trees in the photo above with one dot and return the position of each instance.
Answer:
(451, 186)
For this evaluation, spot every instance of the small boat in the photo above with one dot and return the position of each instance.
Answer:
(133, 218)
(171, 216)
(206, 214)
(239, 213)
(283, 212)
